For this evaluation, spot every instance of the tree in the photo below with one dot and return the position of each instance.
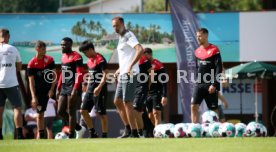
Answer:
(36, 6)
(229, 5)
(88, 29)
(154, 5)
(28, 6)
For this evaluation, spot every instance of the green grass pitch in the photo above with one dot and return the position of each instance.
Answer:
(142, 145)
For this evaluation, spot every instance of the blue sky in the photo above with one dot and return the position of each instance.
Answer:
(222, 26)
(53, 27)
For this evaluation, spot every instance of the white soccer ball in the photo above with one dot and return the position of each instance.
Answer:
(264, 131)
(205, 130)
(240, 129)
(61, 135)
(254, 129)
(213, 129)
(180, 130)
(227, 130)
(194, 130)
(209, 116)
(164, 131)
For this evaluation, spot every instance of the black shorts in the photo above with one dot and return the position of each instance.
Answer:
(201, 92)
(13, 94)
(42, 101)
(87, 102)
(140, 97)
(66, 90)
(30, 128)
(154, 102)
(48, 122)
(99, 102)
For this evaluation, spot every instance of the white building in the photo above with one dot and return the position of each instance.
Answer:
(106, 6)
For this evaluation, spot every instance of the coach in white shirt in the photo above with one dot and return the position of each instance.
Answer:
(129, 52)
(10, 62)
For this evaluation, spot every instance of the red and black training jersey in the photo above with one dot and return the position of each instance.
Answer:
(41, 70)
(96, 66)
(208, 60)
(158, 85)
(144, 65)
(71, 70)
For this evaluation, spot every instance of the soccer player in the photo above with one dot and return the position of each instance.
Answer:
(209, 67)
(41, 85)
(10, 64)
(97, 68)
(158, 89)
(141, 92)
(69, 86)
(129, 53)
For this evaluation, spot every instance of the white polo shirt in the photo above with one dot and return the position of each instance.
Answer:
(31, 113)
(8, 58)
(126, 52)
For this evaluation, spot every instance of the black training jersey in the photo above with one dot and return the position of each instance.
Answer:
(96, 66)
(71, 70)
(40, 69)
(209, 65)
(158, 85)
(144, 66)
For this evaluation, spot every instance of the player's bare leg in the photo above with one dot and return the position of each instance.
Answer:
(194, 113)
(157, 117)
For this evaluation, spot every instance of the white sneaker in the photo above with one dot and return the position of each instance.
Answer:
(80, 133)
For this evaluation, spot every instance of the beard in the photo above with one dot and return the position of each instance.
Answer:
(120, 31)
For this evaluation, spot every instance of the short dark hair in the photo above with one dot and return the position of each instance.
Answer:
(119, 18)
(4, 32)
(148, 50)
(85, 45)
(68, 39)
(203, 30)
(40, 44)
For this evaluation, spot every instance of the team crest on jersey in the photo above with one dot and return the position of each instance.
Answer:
(208, 52)
(45, 60)
(71, 57)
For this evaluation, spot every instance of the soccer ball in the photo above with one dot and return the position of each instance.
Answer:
(209, 117)
(194, 130)
(240, 129)
(61, 135)
(264, 131)
(227, 130)
(180, 130)
(205, 130)
(157, 131)
(164, 131)
(213, 129)
(254, 129)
